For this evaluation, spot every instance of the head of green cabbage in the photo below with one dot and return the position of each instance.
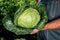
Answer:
(28, 18)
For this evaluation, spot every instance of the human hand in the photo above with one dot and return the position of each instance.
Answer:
(49, 26)
(34, 31)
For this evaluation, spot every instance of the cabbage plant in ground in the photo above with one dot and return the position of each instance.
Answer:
(29, 16)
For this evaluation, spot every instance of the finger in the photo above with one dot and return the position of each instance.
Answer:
(34, 31)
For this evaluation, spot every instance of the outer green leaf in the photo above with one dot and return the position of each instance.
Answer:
(8, 24)
(44, 18)
(2, 38)
(20, 39)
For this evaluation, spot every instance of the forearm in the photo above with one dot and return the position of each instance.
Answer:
(52, 25)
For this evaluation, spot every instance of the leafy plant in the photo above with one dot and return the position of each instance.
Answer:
(2, 38)
(29, 16)
(20, 39)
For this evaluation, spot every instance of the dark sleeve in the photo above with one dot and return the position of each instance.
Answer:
(53, 9)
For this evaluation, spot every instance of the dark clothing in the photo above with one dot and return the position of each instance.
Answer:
(53, 9)
(53, 12)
